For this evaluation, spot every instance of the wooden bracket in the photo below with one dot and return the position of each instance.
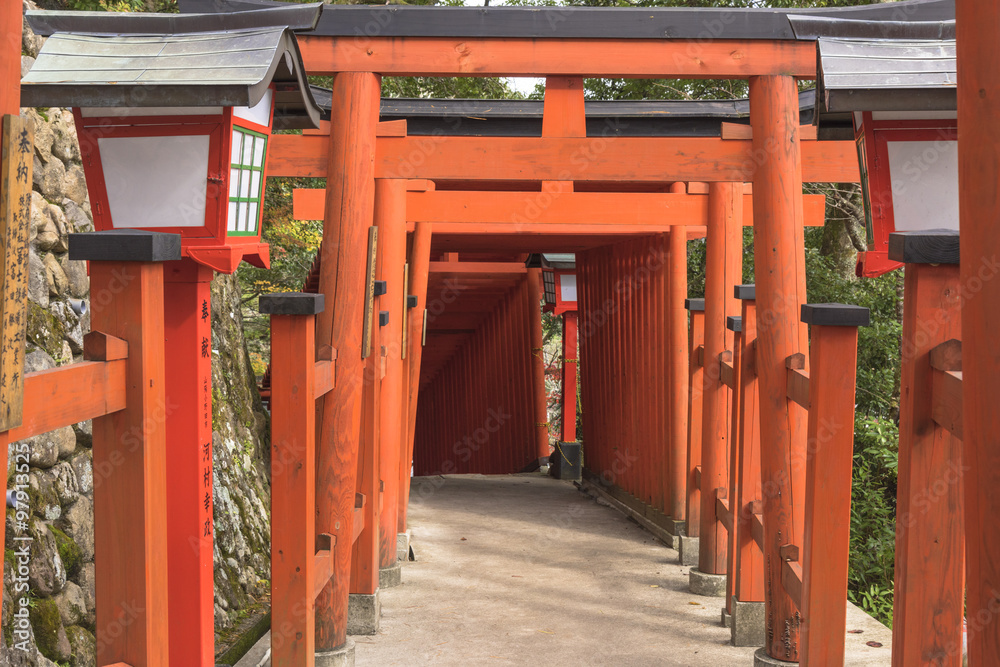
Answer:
(789, 552)
(323, 568)
(722, 512)
(757, 529)
(726, 371)
(798, 382)
(796, 361)
(359, 516)
(324, 378)
(947, 356)
(697, 476)
(791, 580)
(699, 355)
(99, 346)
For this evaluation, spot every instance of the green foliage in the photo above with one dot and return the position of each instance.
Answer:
(69, 552)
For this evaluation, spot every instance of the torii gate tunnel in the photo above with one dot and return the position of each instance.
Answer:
(725, 423)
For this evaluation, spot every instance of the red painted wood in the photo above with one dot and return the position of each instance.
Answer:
(188, 324)
(609, 58)
(725, 242)
(748, 566)
(570, 364)
(734, 491)
(349, 213)
(419, 266)
(541, 401)
(927, 620)
(696, 339)
(365, 554)
(10, 59)
(779, 267)
(677, 367)
(827, 541)
(978, 140)
(130, 484)
(519, 159)
(294, 566)
(390, 216)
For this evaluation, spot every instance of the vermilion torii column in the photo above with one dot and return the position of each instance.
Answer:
(350, 200)
(724, 255)
(978, 173)
(779, 259)
(677, 367)
(390, 216)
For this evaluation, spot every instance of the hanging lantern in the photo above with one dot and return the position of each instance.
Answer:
(558, 280)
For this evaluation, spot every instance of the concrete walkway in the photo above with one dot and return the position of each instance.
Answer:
(525, 570)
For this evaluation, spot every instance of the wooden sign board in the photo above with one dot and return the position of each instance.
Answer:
(17, 141)
(366, 341)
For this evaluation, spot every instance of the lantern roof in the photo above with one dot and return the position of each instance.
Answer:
(913, 70)
(141, 68)
(565, 261)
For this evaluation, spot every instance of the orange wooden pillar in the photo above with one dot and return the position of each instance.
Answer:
(779, 259)
(130, 458)
(540, 396)
(978, 141)
(696, 375)
(570, 362)
(349, 204)
(365, 554)
(927, 619)
(745, 502)
(731, 366)
(298, 558)
(188, 324)
(724, 255)
(420, 255)
(678, 359)
(826, 544)
(390, 216)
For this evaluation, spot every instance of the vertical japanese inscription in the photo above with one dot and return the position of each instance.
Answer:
(16, 147)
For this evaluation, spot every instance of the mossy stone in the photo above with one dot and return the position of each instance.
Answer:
(69, 552)
(45, 621)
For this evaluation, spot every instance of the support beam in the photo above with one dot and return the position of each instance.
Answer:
(419, 264)
(631, 159)
(540, 396)
(520, 212)
(349, 213)
(187, 319)
(569, 375)
(978, 172)
(927, 620)
(724, 266)
(601, 58)
(779, 267)
(390, 216)
(677, 368)
(130, 499)
(696, 380)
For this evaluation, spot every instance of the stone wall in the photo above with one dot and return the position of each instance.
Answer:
(60, 477)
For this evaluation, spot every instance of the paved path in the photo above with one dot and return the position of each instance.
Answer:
(526, 570)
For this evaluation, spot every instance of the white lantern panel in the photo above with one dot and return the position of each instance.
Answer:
(248, 143)
(241, 217)
(244, 183)
(567, 283)
(237, 151)
(924, 184)
(231, 220)
(156, 181)
(260, 113)
(258, 153)
(234, 182)
(254, 184)
(252, 218)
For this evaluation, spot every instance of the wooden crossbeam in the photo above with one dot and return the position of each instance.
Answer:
(489, 212)
(791, 579)
(726, 373)
(798, 380)
(699, 355)
(325, 373)
(757, 529)
(359, 515)
(946, 389)
(613, 159)
(477, 269)
(722, 509)
(64, 396)
(602, 58)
